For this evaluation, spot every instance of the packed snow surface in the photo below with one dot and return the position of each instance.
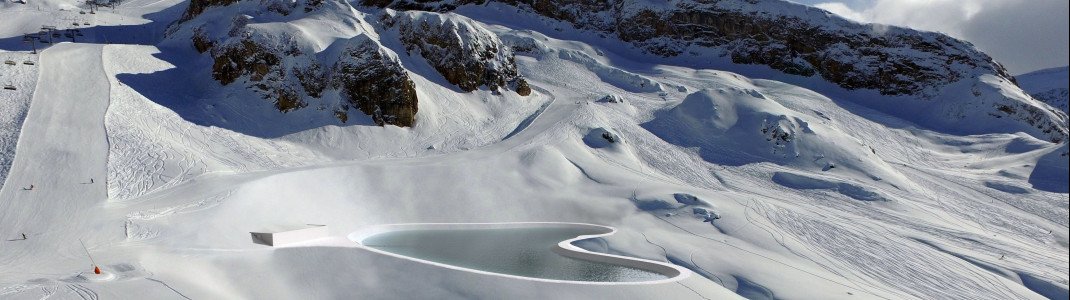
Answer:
(763, 189)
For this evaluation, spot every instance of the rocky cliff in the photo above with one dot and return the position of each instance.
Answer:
(793, 39)
(338, 52)
(462, 51)
(375, 83)
(254, 44)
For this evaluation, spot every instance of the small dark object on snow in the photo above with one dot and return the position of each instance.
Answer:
(609, 137)
(686, 199)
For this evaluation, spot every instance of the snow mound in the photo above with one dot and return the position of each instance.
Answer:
(803, 182)
(738, 126)
(601, 138)
(1051, 172)
(622, 79)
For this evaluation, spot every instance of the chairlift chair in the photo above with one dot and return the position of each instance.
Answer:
(28, 62)
(9, 62)
(9, 87)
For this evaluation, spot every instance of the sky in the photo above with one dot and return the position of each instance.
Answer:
(1023, 35)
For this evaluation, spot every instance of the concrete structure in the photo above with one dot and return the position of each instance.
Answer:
(282, 235)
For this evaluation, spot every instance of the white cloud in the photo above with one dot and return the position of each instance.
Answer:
(1022, 34)
(842, 9)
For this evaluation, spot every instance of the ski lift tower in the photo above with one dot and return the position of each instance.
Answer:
(51, 31)
(32, 39)
(92, 6)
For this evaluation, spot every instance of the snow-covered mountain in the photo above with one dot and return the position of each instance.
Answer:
(940, 73)
(1049, 86)
(774, 150)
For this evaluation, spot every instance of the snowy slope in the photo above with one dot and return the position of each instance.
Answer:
(14, 103)
(1049, 85)
(925, 77)
(820, 196)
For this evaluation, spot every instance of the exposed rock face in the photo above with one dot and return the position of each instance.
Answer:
(376, 84)
(794, 39)
(522, 87)
(1057, 98)
(891, 60)
(465, 53)
(196, 7)
(284, 66)
(244, 58)
(293, 69)
(261, 65)
(1051, 86)
(370, 79)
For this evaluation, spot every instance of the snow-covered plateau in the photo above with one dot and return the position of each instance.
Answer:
(769, 149)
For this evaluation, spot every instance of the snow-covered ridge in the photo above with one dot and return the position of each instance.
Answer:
(805, 41)
(763, 185)
(298, 54)
(327, 55)
(1052, 86)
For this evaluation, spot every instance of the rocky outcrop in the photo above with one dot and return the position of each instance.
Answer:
(466, 54)
(368, 77)
(798, 40)
(1051, 86)
(287, 67)
(376, 84)
(261, 66)
(295, 70)
(283, 7)
(196, 7)
(1057, 98)
(794, 39)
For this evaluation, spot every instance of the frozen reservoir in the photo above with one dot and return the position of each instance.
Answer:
(529, 251)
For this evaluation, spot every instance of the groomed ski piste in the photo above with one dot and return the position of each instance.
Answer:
(863, 205)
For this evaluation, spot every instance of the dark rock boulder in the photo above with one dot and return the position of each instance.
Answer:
(462, 51)
(376, 84)
(290, 69)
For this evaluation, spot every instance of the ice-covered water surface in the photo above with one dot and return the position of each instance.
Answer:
(515, 251)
